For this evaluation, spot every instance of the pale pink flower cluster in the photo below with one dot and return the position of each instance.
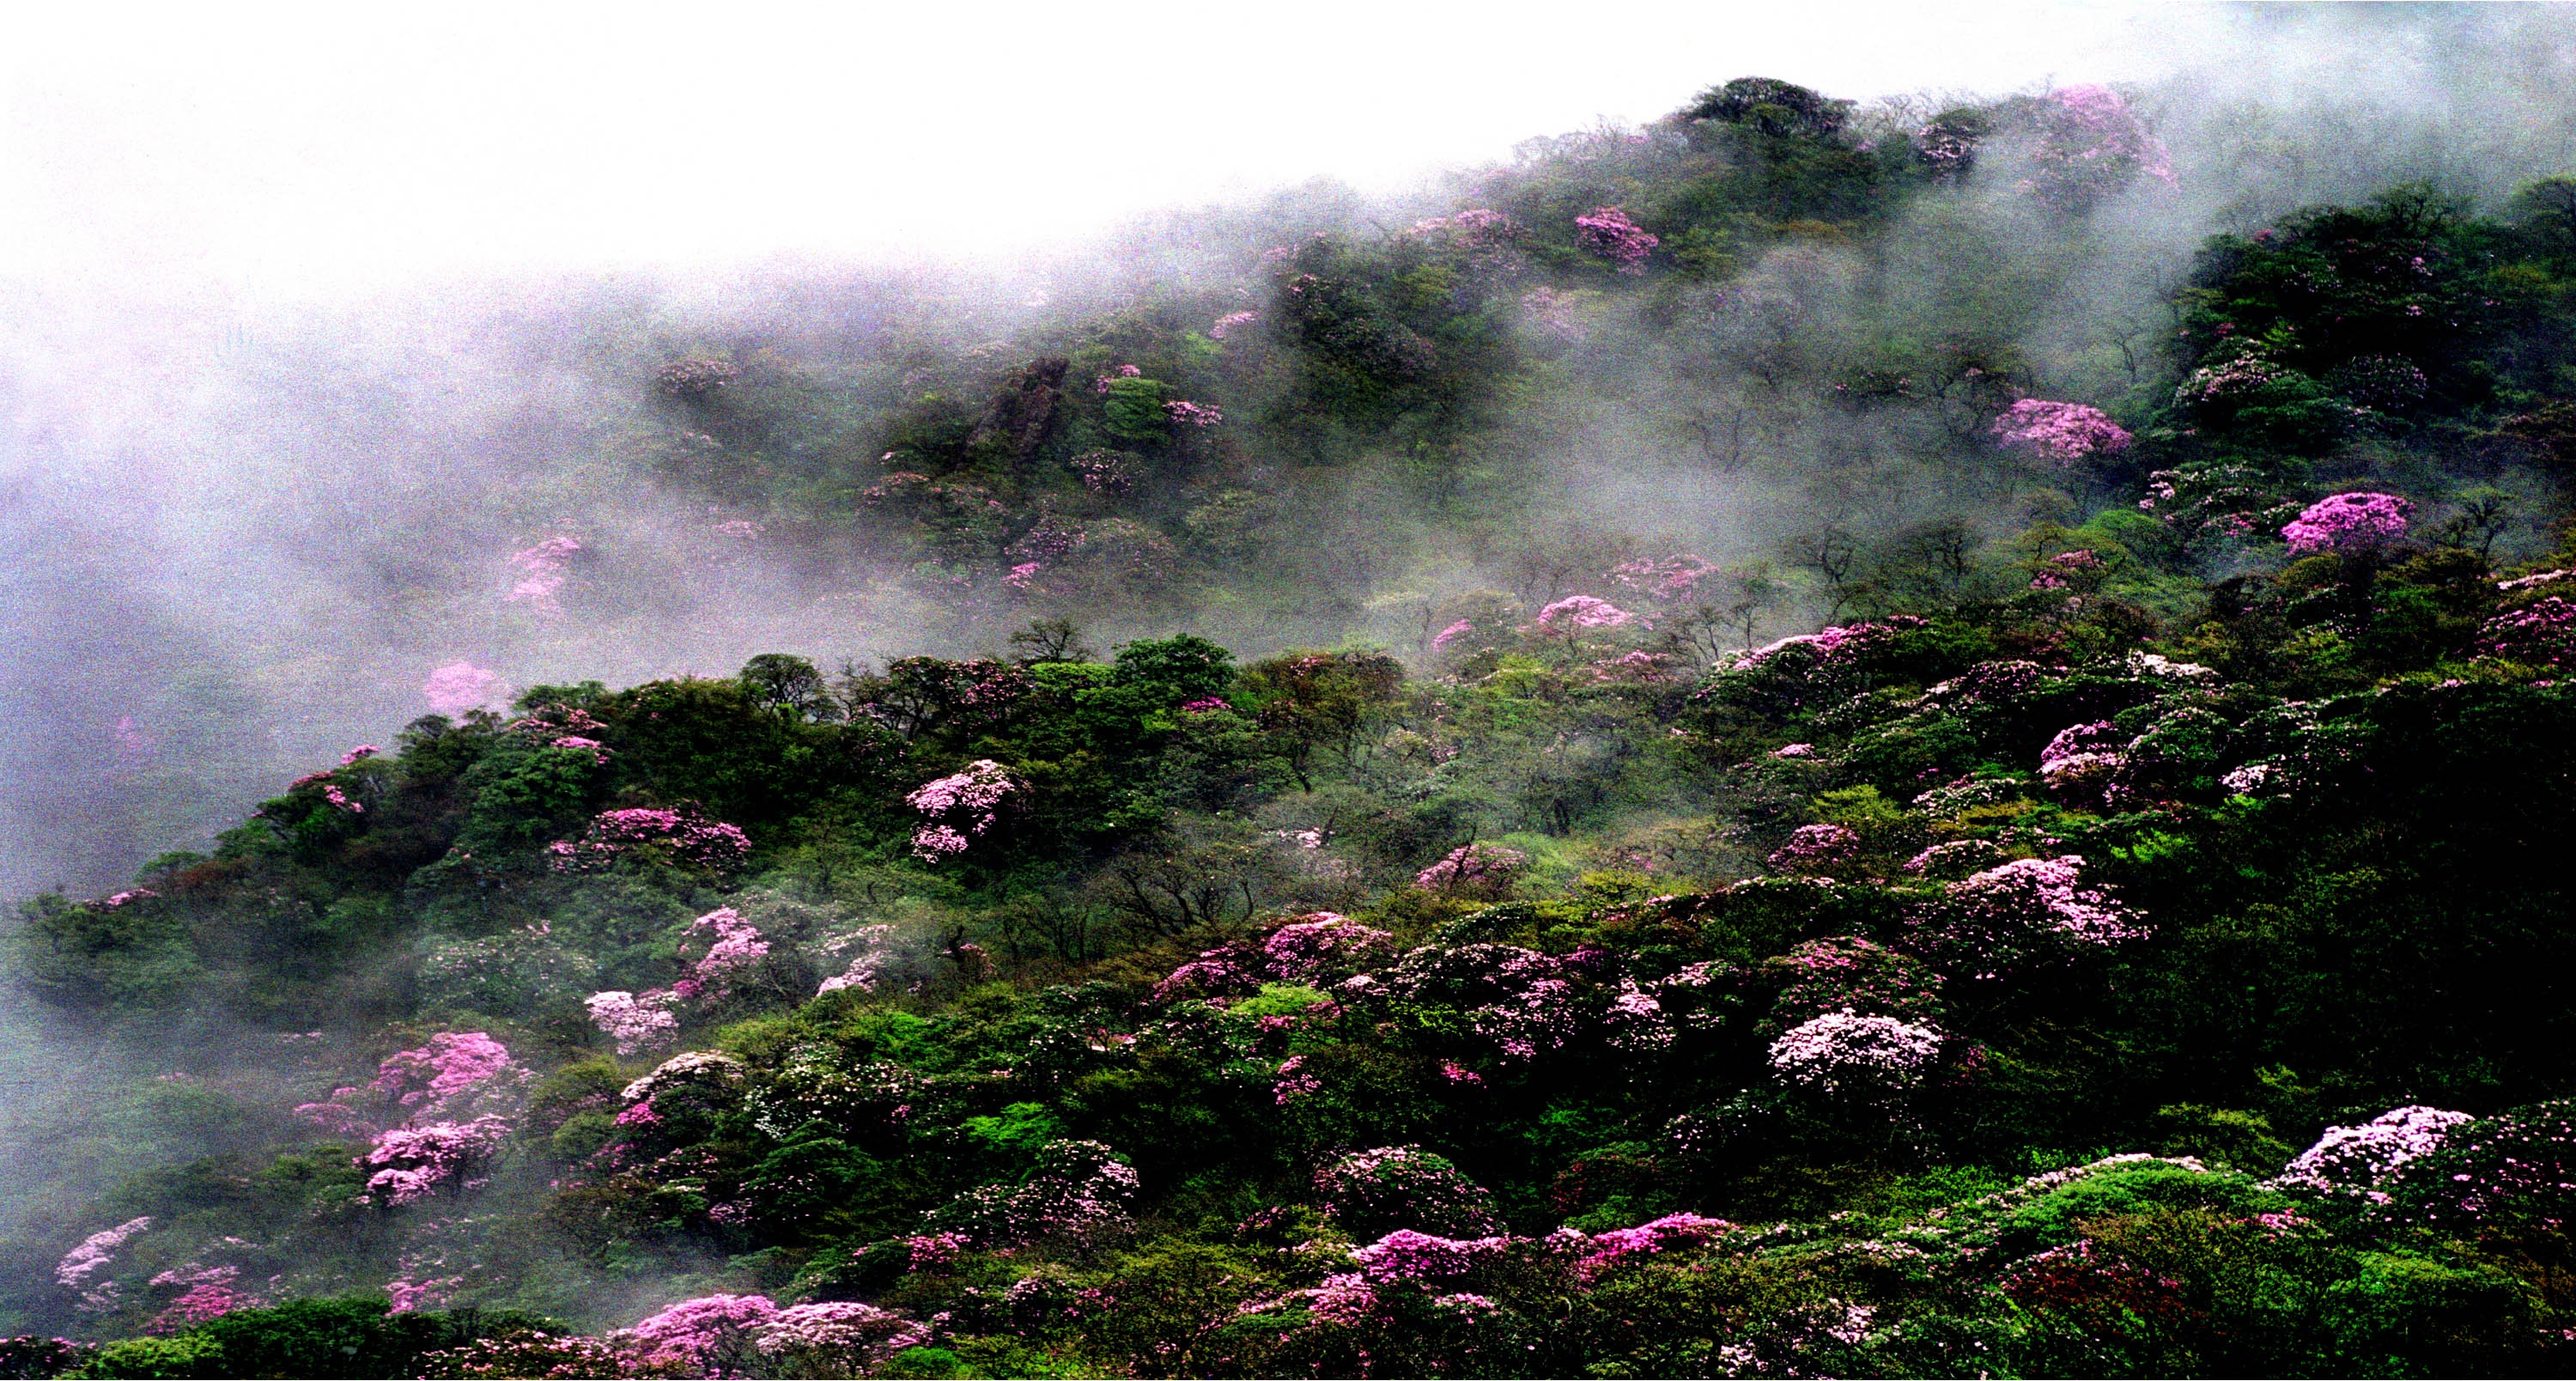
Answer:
(410, 1163)
(734, 944)
(359, 754)
(2059, 433)
(1231, 320)
(695, 1334)
(635, 1021)
(2041, 894)
(1451, 634)
(460, 686)
(1185, 413)
(1405, 1254)
(543, 565)
(868, 969)
(973, 797)
(1840, 1052)
(838, 1337)
(1670, 578)
(1581, 611)
(96, 1253)
(2355, 1160)
(686, 836)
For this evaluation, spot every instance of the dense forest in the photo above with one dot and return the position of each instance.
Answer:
(1812, 739)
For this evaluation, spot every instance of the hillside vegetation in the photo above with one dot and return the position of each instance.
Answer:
(2127, 937)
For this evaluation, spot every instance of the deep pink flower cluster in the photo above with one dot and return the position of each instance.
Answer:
(973, 798)
(2357, 1160)
(1471, 868)
(1607, 232)
(2354, 524)
(210, 1299)
(698, 1334)
(1841, 1052)
(680, 833)
(1320, 944)
(2068, 569)
(460, 686)
(439, 1077)
(2059, 433)
(1580, 612)
(1849, 973)
(1675, 1230)
(1407, 1255)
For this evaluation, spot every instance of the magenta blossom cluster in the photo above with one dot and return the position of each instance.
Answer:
(456, 1073)
(2059, 433)
(1606, 231)
(973, 798)
(460, 686)
(209, 1294)
(695, 1335)
(680, 833)
(1320, 944)
(1441, 640)
(2360, 523)
(1473, 868)
(1674, 1230)
(1577, 612)
(1405, 1254)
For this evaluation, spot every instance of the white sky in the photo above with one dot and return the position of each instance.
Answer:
(323, 147)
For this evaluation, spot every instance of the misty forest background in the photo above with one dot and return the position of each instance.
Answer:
(1828, 737)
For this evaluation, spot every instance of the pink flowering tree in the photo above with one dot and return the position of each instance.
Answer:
(2360, 524)
(1816, 848)
(2060, 434)
(719, 949)
(457, 1074)
(1474, 870)
(2090, 146)
(1606, 232)
(712, 1335)
(2541, 633)
(959, 809)
(87, 1268)
(1581, 614)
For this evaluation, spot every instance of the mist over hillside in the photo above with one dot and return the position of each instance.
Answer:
(1822, 725)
